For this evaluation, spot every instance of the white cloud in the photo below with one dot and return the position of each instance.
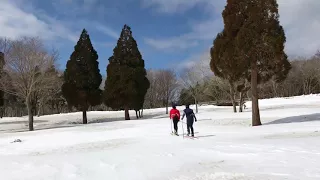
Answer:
(199, 30)
(171, 6)
(84, 9)
(15, 22)
(180, 6)
(198, 62)
(172, 44)
(108, 31)
(20, 19)
(76, 7)
(300, 19)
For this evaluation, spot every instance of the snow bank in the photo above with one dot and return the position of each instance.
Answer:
(227, 148)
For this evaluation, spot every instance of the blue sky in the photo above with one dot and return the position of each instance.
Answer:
(170, 33)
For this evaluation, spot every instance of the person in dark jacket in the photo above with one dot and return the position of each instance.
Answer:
(191, 117)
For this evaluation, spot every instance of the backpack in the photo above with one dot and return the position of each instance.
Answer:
(175, 117)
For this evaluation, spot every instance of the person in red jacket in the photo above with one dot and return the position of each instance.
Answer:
(175, 116)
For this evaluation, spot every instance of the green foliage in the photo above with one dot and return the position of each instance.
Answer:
(250, 46)
(225, 59)
(225, 56)
(251, 33)
(82, 76)
(126, 83)
(261, 40)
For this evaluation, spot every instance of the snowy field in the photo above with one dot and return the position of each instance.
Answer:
(287, 146)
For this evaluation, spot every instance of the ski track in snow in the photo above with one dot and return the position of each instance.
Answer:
(287, 146)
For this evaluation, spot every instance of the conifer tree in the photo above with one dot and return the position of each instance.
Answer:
(261, 39)
(82, 77)
(251, 46)
(126, 83)
(225, 55)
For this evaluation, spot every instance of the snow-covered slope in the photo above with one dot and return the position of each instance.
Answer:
(287, 146)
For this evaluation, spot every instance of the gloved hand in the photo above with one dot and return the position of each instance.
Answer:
(196, 120)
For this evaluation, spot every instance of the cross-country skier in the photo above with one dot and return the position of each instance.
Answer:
(175, 116)
(191, 117)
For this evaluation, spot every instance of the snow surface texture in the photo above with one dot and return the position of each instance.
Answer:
(287, 146)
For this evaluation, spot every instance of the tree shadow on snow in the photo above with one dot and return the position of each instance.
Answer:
(296, 119)
(42, 124)
(205, 136)
(21, 122)
(104, 120)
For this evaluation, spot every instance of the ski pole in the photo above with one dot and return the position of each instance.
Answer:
(182, 128)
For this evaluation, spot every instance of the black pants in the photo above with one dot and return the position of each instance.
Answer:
(175, 124)
(190, 127)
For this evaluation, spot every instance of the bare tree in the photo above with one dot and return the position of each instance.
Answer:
(167, 85)
(310, 73)
(194, 77)
(48, 94)
(162, 89)
(216, 89)
(5, 45)
(151, 96)
(191, 80)
(243, 87)
(26, 64)
(317, 55)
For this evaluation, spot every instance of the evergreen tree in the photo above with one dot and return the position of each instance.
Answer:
(142, 84)
(82, 77)
(224, 62)
(251, 46)
(261, 39)
(126, 83)
(225, 57)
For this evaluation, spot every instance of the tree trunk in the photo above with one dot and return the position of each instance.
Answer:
(254, 92)
(232, 96)
(39, 109)
(142, 112)
(274, 87)
(196, 103)
(84, 117)
(167, 105)
(137, 114)
(38, 114)
(126, 113)
(69, 108)
(241, 102)
(30, 115)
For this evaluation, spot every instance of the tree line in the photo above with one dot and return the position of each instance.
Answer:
(249, 62)
(32, 84)
(246, 61)
(303, 79)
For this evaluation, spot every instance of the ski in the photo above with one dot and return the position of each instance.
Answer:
(173, 134)
(191, 137)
